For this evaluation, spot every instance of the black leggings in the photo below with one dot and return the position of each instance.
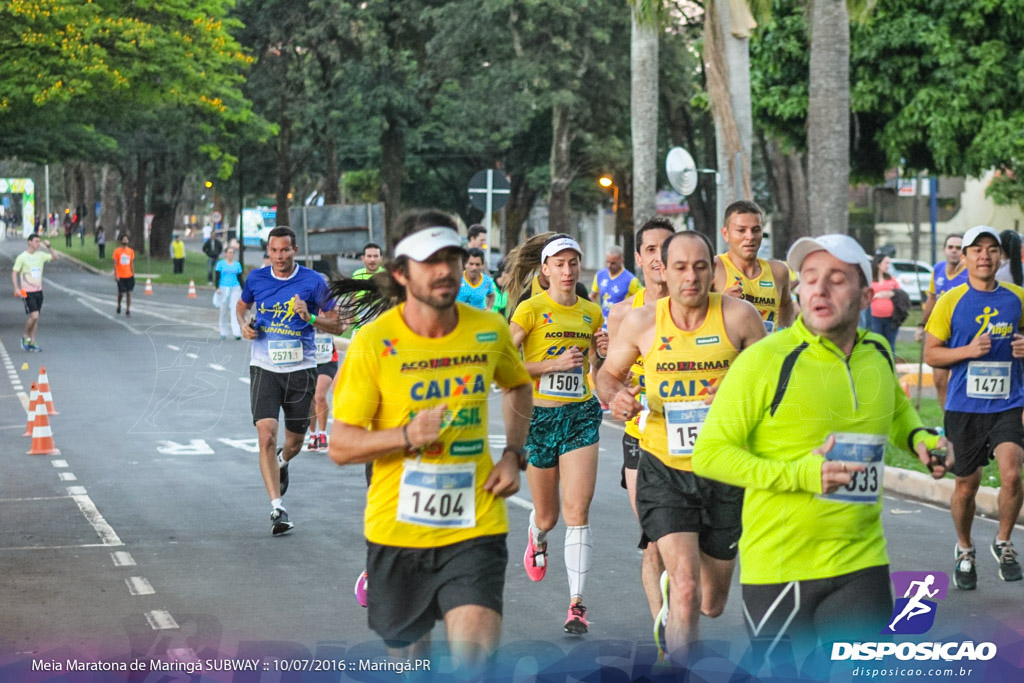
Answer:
(790, 619)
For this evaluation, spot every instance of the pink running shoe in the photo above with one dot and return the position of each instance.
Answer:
(323, 441)
(536, 558)
(576, 620)
(314, 442)
(360, 590)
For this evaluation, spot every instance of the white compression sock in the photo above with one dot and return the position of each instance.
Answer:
(578, 545)
(538, 535)
(277, 503)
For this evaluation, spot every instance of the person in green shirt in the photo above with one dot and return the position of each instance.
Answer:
(801, 421)
(27, 277)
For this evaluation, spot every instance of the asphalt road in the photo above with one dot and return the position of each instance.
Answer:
(149, 535)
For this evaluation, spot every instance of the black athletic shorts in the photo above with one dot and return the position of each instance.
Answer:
(272, 392)
(33, 301)
(670, 501)
(630, 456)
(798, 615)
(329, 368)
(976, 435)
(126, 284)
(412, 588)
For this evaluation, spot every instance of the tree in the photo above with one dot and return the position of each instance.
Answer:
(643, 60)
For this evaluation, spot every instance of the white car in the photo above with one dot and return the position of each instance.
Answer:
(914, 284)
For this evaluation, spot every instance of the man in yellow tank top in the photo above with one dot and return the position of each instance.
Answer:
(649, 239)
(740, 273)
(688, 341)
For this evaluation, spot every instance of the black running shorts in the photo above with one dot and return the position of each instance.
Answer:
(270, 393)
(671, 501)
(409, 589)
(33, 301)
(975, 436)
(330, 369)
(126, 284)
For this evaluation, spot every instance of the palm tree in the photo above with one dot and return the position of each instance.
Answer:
(644, 105)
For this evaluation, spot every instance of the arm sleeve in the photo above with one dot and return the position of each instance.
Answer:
(19, 264)
(358, 404)
(739, 406)
(247, 295)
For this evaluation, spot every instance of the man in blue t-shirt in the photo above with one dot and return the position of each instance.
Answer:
(974, 331)
(613, 283)
(477, 288)
(290, 305)
(946, 275)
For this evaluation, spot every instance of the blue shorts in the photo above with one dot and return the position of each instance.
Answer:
(562, 429)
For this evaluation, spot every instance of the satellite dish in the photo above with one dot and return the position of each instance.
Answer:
(681, 170)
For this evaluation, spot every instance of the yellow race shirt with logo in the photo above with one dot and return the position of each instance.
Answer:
(433, 496)
(633, 427)
(760, 291)
(680, 369)
(551, 329)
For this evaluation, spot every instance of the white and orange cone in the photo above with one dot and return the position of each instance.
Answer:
(43, 384)
(191, 289)
(42, 435)
(149, 287)
(33, 398)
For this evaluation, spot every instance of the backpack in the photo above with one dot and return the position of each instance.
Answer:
(900, 306)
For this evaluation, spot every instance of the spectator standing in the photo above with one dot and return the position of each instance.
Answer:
(228, 272)
(67, 230)
(881, 303)
(101, 241)
(212, 247)
(178, 254)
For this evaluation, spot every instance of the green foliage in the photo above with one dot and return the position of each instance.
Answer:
(361, 187)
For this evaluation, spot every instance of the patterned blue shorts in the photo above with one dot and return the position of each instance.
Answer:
(563, 429)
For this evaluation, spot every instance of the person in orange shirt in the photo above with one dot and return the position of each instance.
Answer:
(124, 274)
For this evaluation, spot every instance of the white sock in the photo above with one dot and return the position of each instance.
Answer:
(281, 462)
(577, 558)
(539, 536)
(277, 503)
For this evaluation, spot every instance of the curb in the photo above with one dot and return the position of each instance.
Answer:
(920, 486)
(82, 264)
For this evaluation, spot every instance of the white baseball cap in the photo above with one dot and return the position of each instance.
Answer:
(423, 244)
(972, 235)
(559, 244)
(843, 247)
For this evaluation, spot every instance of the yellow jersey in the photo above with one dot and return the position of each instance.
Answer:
(760, 291)
(635, 425)
(551, 329)
(680, 369)
(432, 496)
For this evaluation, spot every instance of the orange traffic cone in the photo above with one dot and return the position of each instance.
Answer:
(42, 436)
(149, 287)
(33, 399)
(43, 385)
(191, 289)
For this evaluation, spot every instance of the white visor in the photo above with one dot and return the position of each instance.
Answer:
(560, 244)
(843, 247)
(423, 244)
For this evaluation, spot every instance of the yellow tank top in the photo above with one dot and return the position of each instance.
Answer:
(633, 426)
(679, 370)
(760, 291)
(550, 329)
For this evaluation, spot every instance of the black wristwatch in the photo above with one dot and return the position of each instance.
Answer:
(520, 453)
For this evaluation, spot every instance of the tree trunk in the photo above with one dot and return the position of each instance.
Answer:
(135, 182)
(284, 165)
(392, 172)
(332, 182)
(164, 198)
(644, 116)
(109, 214)
(89, 197)
(625, 223)
(521, 200)
(559, 206)
(788, 181)
(681, 131)
(828, 117)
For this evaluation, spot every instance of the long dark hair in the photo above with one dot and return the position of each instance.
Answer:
(875, 272)
(1009, 241)
(360, 301)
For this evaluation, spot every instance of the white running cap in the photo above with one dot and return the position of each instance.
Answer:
(972, 235)
(560, 244)
(423, 244)
(843, 247)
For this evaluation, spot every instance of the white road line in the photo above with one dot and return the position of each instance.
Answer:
(106, 315)
(67, 476)
(57, 547)
(93, 516)
(245, 380)
(138, 309)
(161, 620)
(172, 347)
(520, 502)
(613, 425)
(138, 585)
(193, 356)
(23, 397)
(122, 559)
(214, 366)
(13, 427)
(59, 463)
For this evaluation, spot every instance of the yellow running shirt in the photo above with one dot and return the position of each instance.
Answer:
(389, 374)
(679, 370)
(634, 426)
(760, 291)
(551, 329)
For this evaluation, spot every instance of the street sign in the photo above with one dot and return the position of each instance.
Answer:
(216, 217)
(906, 187)
(489, 191)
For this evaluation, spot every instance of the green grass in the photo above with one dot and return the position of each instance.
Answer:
(161, 269)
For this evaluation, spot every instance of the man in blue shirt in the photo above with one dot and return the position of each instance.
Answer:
(946, 275)
(614, 283)
(477, 288)
(974, 331)
(291, 304)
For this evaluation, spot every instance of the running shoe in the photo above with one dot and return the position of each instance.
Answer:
(536, 558)
(661, 621)
(279, 523)
(34, 348)
(323, 441)
(25, 343)
(576, 620)
(283, 466)
(119, 309)
(314, 442)
(1009, 567)
(965, 576)
(361, 588)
